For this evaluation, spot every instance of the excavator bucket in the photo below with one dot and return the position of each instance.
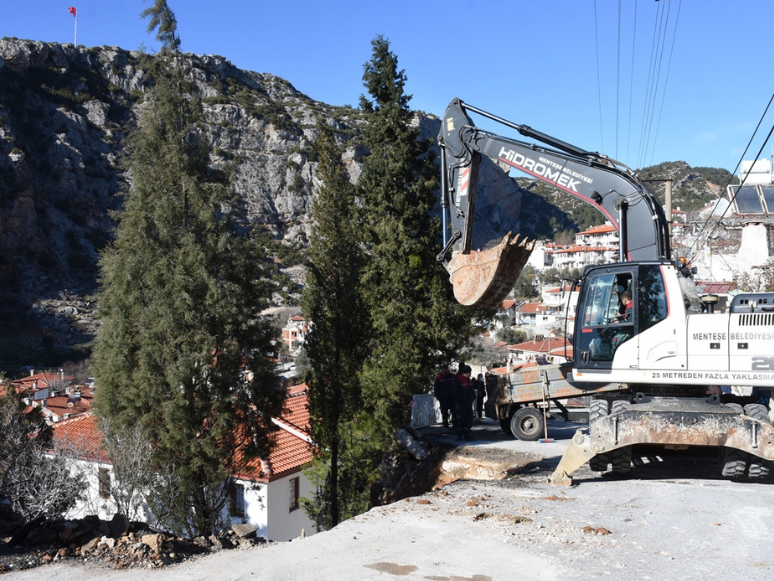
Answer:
(485, 278)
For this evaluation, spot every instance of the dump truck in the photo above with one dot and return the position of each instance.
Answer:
(654, 373)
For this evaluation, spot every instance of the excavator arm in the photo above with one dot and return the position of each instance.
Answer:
(485, 278)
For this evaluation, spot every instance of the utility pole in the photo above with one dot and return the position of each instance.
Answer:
(667, 205)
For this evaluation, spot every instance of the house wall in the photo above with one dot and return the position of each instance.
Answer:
(256, 512)
(284, 524)
(105, 508)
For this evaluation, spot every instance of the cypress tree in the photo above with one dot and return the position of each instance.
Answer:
(183, 349)
(416, 321)
(336, 342)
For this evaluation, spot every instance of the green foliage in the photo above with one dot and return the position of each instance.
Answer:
(511, 336)
(416, 322)
(336, 344)
(718, 176)
(161, 17)
(183, 350)
(555, 275)
(525, 285)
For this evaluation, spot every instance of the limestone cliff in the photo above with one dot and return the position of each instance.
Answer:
(64, 115)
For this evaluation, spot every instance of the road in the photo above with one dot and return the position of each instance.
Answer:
(672, 517)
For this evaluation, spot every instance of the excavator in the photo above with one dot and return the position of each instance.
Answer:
(655, 369)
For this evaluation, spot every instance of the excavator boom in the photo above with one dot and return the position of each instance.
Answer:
(484, 278)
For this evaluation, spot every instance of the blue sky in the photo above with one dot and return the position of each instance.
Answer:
(564, 67)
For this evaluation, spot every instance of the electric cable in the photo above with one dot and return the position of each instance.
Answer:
(738, 165)
(599, 86)
(666, 80)
(631, 81)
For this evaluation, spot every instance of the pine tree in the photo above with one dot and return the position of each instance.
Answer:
(336, 343)
(183, 349)
(416, 321)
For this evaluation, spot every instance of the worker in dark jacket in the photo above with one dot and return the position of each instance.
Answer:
(480, 393)
(464, 396)
(444, 393)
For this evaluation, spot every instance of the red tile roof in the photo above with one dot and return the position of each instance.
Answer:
(67, 404)
(714, 288)
(508, 304)
(562, 352)
(557, 290)
(603, 229)
(532, 308)
(293, 448)
(82, 433)
(584, 249)
(45, 379)
(293, 443)
(545, 346)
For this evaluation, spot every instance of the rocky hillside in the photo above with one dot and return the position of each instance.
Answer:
(65, 113)
(64, 116)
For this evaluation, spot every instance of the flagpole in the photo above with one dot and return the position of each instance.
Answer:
(75, 35)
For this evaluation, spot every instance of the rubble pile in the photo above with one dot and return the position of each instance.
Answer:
(115, 544)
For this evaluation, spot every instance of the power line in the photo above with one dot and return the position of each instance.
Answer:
(631, 80)
(658, 54)
(666, 80)
(738, 165)
(617, 79)
(599, 86)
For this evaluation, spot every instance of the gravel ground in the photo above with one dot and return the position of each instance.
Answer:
(671, 518)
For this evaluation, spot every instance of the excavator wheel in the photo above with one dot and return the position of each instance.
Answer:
(621, 458)
(758, 412)
(485, 278)
(758, 467)
(734, 463)
(598, 408)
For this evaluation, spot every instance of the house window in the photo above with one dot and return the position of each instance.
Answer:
(294, 483)
(237, 500)
(104, 482)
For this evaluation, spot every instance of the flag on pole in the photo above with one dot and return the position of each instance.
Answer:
(72, 10)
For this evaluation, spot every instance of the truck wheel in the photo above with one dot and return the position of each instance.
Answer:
(527, 424)
(620, 405)
(505, 426)
(757, 411)
(598, 408)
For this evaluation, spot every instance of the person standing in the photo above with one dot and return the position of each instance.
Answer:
(464, 396)
(444, 393)
(480, 392)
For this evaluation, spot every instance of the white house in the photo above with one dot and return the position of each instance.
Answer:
(267, 494)
(294, 333)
